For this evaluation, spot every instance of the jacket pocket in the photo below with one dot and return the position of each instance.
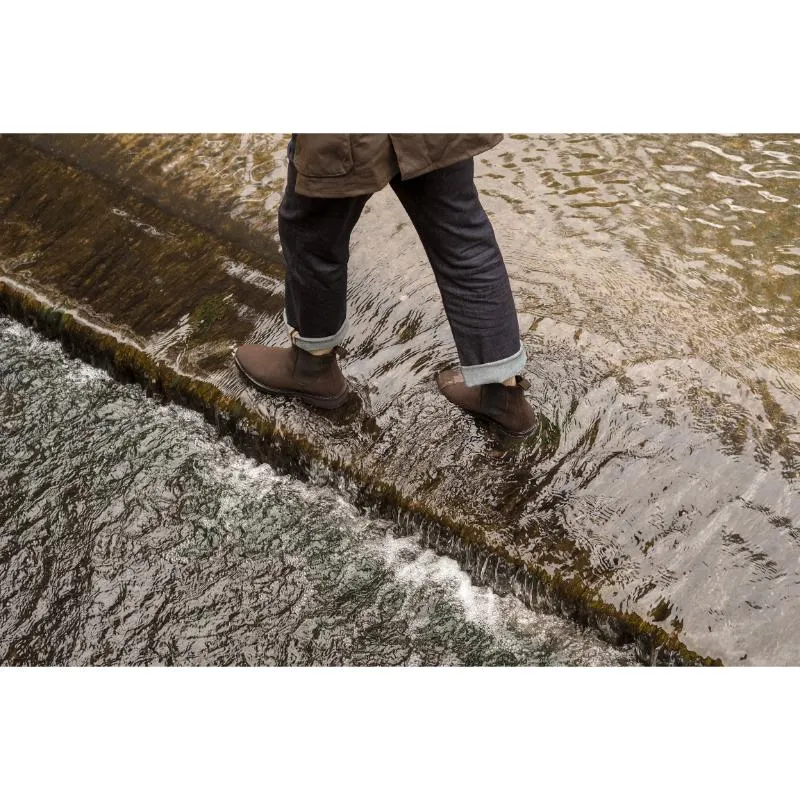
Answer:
(323, 155)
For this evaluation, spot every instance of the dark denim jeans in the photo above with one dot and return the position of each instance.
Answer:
(460, 244)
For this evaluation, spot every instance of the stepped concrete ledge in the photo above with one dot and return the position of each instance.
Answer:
(155, 256)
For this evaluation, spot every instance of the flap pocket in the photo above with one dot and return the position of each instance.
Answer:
(323, 155)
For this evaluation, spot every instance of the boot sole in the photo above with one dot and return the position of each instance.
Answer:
(497, 429)
(315, 400)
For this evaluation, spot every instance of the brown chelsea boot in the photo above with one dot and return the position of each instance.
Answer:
(317, 380)
(504, 407)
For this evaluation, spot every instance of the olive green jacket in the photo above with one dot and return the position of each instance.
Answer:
(349, 164)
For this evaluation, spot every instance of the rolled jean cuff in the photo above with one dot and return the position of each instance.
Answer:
(495, 371)
(309, 345)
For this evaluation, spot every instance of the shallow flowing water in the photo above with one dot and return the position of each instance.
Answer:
(131, 534)
(657, 280)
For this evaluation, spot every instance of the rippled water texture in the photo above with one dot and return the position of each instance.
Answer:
(130, 534)
(657, 280)
(658, 284)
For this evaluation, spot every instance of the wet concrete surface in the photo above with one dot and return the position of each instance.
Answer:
(230, 185)
(657, 285)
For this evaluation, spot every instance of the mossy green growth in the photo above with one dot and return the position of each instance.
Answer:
(206, 316)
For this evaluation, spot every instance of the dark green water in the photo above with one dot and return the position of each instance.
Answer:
(131, 534)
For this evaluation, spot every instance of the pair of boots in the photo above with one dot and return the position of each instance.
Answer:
(318, 381)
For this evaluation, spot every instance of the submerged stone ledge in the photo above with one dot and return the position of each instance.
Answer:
(155, 300)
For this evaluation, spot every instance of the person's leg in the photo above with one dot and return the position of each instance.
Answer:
(315, 237)
(461, 246)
